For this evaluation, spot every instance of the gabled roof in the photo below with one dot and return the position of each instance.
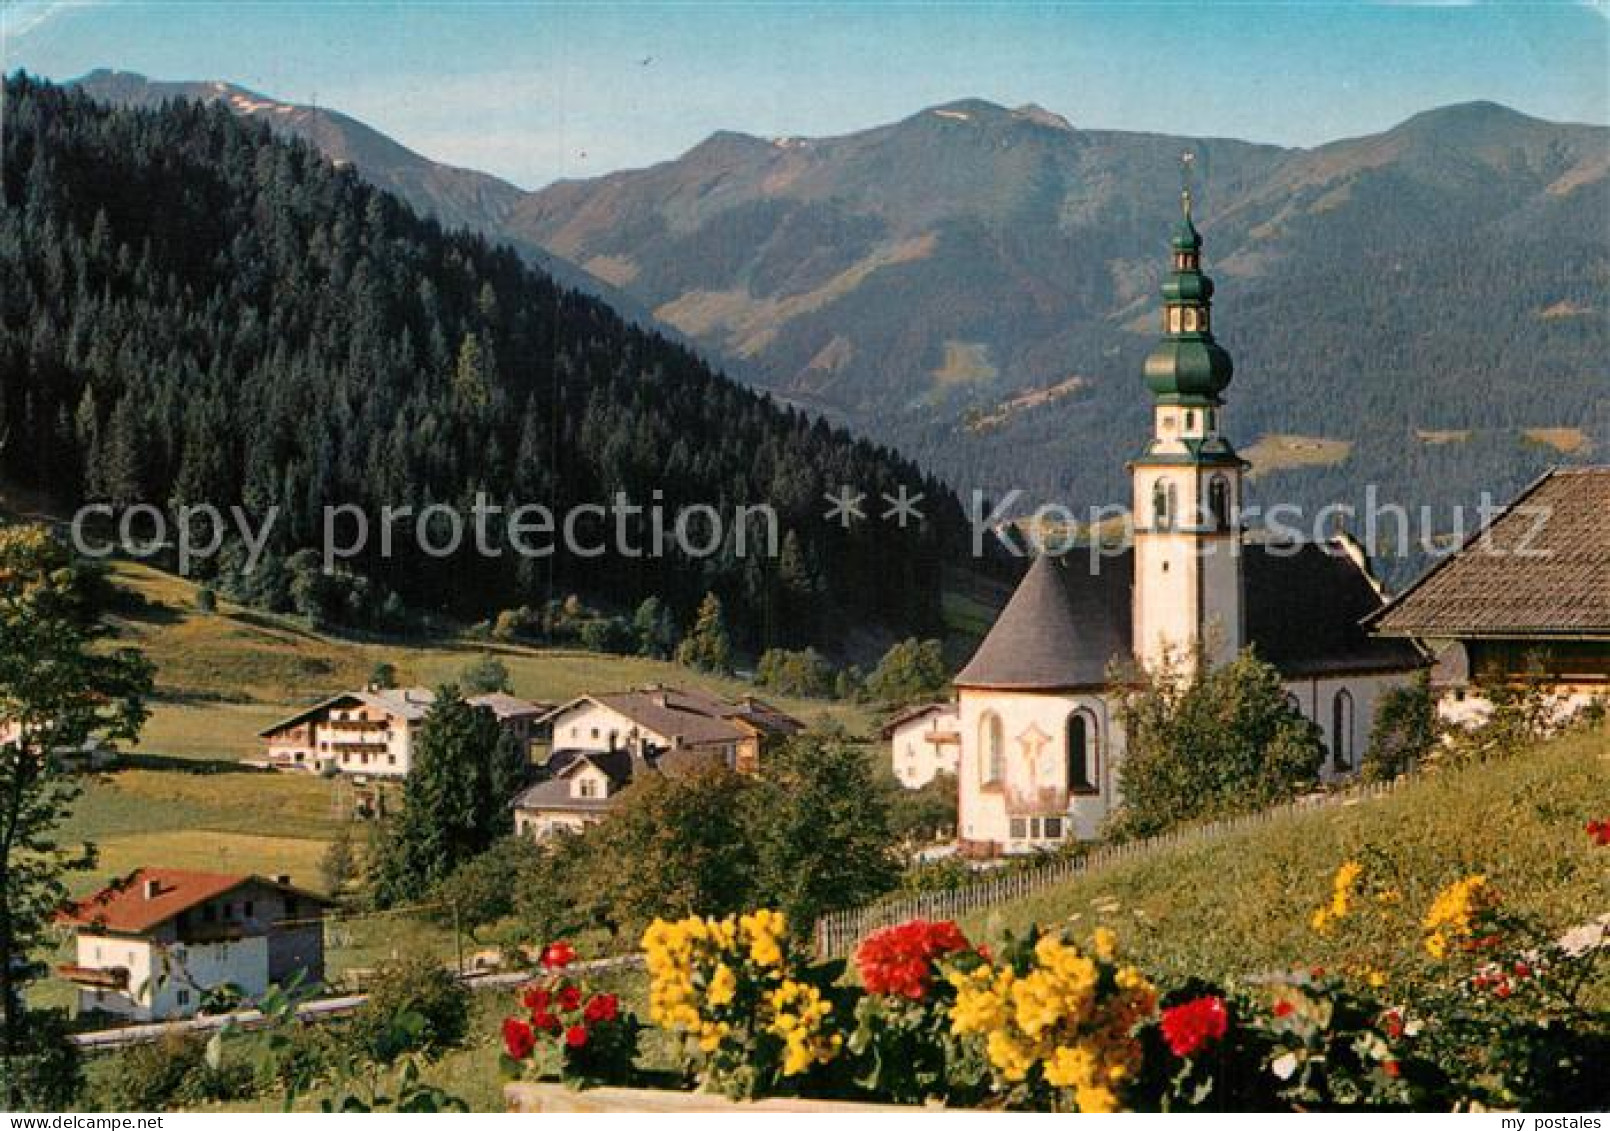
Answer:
(1071, 619)
(911, 714)
(124, 906)
(1541, 568)
(695, 717)
(412, 704)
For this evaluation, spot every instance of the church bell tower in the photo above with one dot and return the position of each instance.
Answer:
(1187, 482)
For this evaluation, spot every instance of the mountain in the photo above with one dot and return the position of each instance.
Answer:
(200, 311)
(457, 198)
(978, 285)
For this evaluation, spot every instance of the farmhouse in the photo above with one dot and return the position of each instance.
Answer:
(601, 743)
(1526, 599)
(924, 742)
(1037, 707)
(370, 733)
(154, 944)
(651, 721)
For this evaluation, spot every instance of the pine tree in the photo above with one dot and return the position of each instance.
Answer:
(707, 647)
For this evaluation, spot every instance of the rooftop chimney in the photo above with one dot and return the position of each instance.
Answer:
(283, 880)
(153, 888)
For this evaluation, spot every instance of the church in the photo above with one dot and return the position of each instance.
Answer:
(1037, 708)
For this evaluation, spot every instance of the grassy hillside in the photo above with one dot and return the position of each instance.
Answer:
(1241, 903)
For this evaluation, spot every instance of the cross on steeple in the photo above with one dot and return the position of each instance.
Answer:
(1187, 160)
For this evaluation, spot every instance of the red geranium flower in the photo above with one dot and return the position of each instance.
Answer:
(558, 955)
(569, 998)
(602, 1007)
(899, 961)
(545, 1021)
(536, 999)
(1600, 832)
(518, 1038)
(1391, 1068)
(1392, 1022)
(1187, 1028)
(576, 1036)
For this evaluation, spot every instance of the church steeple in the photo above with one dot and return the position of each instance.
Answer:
(1188, 367)
(1187, 483)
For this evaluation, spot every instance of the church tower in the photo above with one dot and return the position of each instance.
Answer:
(1187, 482)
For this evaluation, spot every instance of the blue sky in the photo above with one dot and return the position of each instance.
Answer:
(533, 91)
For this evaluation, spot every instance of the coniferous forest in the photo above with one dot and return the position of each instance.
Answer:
(197, 312)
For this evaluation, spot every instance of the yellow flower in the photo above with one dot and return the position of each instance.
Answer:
(1105, 943)
(1455, 912)
(723, 986)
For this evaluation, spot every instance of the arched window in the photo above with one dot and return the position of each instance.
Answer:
(1342, 730)
(991, 750)
(1163, 505)
(1219, 502)
(1083, 753)
(1190, 420)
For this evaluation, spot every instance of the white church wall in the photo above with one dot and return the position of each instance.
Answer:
(1010, 813)
(1316, 698)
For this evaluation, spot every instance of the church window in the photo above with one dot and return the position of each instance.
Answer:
(1190, 318)
(1163, 505)
(1081, 753)
(1173, 320)
(1202, 320)
(1219, 502)
(1342, 730)
(1190, 421)
(992, 750)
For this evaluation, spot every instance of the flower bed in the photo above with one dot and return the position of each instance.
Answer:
(1475, 1008)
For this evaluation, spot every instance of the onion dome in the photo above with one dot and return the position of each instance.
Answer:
(1188, 366)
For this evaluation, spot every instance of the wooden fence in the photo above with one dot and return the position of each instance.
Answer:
(837, 934)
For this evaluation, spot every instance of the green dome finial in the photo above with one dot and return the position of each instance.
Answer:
(1188, 366)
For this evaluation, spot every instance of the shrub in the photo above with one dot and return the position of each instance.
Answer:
(484, 675)
(173, 1071)
(806, 673)
(484, 888)
(1211, 743)
(419, 988)
(206, 600)
(1404, 732)
(612, 635)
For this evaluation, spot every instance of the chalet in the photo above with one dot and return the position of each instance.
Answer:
(925, 741)
(651, 721)
(602, 743)
(1526, 598)
(154, 944)
(371, 733)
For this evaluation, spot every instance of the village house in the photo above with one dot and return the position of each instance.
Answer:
(153, 945)
(371, 733)
(1526, 599)
(924, 742)
(1038, 705)
(601, 743)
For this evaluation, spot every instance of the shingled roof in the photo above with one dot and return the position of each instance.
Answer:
(1071, 618)
(1541, 568)
(148, 897)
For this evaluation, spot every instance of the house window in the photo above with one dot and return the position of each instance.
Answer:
(1019, 828)
(587, 787)
(184, 997)
(1053, 828)
(992, 749)
(1081, 753)
(246, 910)
(1342, 730)
(1190, 421)
(1163, 505)
(1219, 502)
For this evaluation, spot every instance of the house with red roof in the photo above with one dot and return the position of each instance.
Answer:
(156, 943)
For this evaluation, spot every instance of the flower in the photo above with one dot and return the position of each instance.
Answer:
(576, 1036)
(556, 956)
(544, 1021)
(1392, 1023)
(1600, 832)
(1189, 1027)
(1457, 912)
(1284, 1008)
(601, 1007)
(1344, 886)
(518, 1038)
(899, 961)
(536, 999)
(569, 998)
(1391, 1068)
